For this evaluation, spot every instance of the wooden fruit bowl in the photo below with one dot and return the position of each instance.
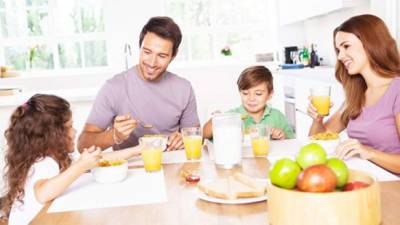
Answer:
(362, 206)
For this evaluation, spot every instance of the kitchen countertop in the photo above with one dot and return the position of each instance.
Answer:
(71, 95)
(324, 74)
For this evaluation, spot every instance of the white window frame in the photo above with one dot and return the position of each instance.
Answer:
(52, 40)
(271, 28)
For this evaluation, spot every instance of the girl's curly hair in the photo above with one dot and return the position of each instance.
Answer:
(37, 129)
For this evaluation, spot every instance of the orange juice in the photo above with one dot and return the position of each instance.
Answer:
(322, 104)
(193, 144)
(152, 159)
(260, 145)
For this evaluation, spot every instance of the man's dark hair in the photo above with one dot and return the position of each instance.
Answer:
(164, 27)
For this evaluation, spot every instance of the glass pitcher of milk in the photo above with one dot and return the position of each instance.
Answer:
(227, 135)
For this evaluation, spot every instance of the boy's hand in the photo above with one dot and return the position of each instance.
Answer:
(277, 134)
(89, 158)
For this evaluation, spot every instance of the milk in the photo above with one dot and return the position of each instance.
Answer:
(227, 135)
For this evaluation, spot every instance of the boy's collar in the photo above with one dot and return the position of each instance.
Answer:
(267, 111)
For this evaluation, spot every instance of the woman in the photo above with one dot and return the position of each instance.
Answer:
(368, 67)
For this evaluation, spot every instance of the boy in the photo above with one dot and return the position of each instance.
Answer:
(256, 89)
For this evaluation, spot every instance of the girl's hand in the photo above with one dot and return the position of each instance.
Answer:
(89, 158)
(277, 134)
(352, 147)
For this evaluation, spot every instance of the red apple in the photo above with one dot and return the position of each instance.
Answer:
(317, 178)
(355, 185)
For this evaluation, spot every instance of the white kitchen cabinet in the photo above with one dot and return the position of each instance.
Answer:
(294, 11)
(278, 99)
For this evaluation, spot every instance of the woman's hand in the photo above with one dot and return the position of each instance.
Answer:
(312, 112)
(352, 147)
(277, 134)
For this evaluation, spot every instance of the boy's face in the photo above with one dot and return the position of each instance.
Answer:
(255, 98)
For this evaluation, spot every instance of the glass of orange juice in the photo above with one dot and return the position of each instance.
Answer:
(151, 150)
(320, 98)
(260, 139)
(193, 142)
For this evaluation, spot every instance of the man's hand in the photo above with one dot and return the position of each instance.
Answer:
(124, 125)
(175, 141)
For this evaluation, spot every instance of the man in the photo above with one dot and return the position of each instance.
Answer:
(146, 99)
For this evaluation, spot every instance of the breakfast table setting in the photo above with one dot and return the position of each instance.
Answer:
(168, 197)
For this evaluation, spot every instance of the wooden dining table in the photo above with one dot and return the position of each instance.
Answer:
(184, 207)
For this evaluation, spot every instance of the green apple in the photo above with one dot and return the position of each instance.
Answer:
(340, 169)
(311, 154)
(284, 173)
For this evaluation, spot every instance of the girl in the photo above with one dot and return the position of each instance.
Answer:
(40, 138)
(368, 67)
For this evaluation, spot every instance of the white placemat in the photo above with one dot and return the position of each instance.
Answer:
(289, 148)
(283, 148)
(137, 189)
(178, 156)
(366, 166)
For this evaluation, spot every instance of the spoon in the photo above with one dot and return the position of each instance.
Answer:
(145, 125)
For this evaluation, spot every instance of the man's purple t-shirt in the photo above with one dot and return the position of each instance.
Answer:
(376, 125)
(169, 104)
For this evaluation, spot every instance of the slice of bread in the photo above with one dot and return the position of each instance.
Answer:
(259, 185)
(219, 188)
(237, 186)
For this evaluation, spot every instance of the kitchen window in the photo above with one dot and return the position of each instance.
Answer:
(52, 34)
(242, 28)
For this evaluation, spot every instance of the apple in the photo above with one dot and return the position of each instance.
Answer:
(284, 173)
(311, 154)
(340, 169)
(355, 185)
(317, 178)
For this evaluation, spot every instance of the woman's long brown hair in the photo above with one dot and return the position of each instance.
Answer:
(382, 54)
(37, 129)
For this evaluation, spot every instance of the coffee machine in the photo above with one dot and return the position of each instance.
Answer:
(289, 49)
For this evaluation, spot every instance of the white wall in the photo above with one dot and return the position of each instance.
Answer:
(125, 20)
(319, 30)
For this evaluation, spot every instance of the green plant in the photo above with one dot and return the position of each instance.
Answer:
(226, 51)
(32, 53)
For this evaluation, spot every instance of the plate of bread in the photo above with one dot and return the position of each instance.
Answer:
(236, 189)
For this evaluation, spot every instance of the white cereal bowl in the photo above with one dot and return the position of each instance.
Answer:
(328, 145)
(110, 174)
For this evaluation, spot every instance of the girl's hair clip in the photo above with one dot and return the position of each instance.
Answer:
(26, 105)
